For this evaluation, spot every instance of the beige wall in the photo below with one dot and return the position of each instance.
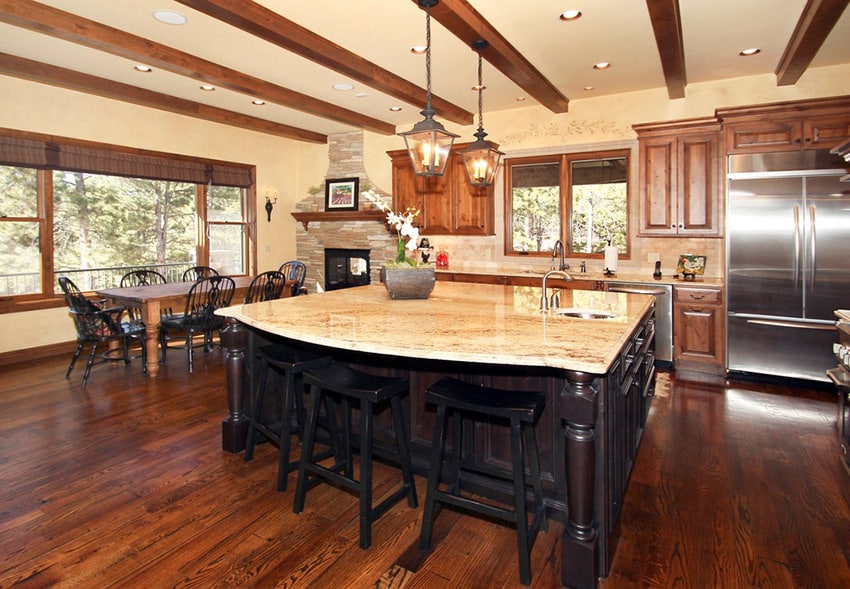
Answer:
(290, 168)
(283, 166)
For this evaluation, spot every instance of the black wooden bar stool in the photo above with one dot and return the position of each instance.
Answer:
(521, 409)
(370, 390)
(290, 363)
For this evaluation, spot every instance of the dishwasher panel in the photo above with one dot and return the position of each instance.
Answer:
(663, 312)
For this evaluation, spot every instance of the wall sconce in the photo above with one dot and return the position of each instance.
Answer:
(269, 206)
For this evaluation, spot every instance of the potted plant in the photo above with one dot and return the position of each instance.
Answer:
(404, 277)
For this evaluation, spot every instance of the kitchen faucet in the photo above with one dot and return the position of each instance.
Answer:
(555, 303)
(558, 252)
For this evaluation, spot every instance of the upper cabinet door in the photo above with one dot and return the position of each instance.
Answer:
(806, 124)
(657, 182)
(700, 177)
(680, 179)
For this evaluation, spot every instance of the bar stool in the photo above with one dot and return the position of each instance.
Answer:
(522, 409)
(349, 384)
(290, 363)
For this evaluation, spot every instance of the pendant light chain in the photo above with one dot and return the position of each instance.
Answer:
(480, 94)
(428, 57)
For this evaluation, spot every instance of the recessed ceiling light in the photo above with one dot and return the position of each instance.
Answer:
(395, 109)
(207, 88)
(169, 17)
(751, 51)
(602, 65)
(343, 87)
(570, 15)
(476, 87)
(588, 88)
(418, 49)
(361, 95)
(258, 102)
(520, 98)
(145, 69)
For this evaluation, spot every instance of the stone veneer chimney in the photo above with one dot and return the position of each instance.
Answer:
(345, 160)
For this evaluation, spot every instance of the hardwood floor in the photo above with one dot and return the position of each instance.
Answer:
(124, 484)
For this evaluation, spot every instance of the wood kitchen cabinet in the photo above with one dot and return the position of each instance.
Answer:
(807, 124)
(680, 178)
(699, 332)
(448, 204)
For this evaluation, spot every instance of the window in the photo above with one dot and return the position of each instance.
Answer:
(132, 210)
(227, 229)
(20, 232)
(580, 199)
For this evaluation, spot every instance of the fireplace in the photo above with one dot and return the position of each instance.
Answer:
(345, 268)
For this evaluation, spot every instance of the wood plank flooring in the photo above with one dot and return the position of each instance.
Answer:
(124, 484)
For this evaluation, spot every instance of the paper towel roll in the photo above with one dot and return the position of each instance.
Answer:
(611, 258)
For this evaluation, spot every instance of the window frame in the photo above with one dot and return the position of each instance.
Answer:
(48, 297)
(564, 160)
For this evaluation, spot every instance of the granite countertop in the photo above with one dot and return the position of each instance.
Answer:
(536, 271)
(464, 322)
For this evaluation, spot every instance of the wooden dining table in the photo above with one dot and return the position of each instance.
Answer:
(153, 298)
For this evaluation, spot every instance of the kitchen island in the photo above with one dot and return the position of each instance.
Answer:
(597, 375)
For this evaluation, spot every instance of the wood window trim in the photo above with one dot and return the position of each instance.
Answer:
(564, 159)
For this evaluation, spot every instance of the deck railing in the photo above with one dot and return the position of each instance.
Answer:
(86, 278)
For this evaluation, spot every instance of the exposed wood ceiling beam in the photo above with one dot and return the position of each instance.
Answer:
(69, 27)
(274, 28)
(667, 25)
(467, 24)
(43, 73)
(814, 26)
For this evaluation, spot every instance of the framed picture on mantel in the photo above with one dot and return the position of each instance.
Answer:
(341, 194)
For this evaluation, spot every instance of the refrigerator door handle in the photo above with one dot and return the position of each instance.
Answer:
(813, 239)
(816, 324)
(797, 245)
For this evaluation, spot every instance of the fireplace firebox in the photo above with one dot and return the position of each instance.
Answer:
(345, 268)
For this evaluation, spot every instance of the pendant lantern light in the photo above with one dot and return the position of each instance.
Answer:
(481, 159)
(428, 143)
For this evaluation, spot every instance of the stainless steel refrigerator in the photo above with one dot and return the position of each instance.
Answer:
(788, 261)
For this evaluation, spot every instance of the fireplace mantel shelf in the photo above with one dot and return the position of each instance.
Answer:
(340, 216)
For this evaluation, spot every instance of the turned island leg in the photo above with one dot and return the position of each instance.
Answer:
(234, 429)
(580, 542)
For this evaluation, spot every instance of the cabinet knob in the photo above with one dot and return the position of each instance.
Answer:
(797, 140)
(808, 139)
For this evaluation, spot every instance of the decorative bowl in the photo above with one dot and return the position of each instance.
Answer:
(691, 265)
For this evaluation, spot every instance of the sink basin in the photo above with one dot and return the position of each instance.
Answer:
(585, 313)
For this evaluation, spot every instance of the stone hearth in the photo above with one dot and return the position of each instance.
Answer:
(345, 160)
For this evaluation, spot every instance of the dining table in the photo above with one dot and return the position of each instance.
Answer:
(153, 299)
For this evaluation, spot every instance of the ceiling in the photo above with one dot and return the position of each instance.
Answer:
(291, 54)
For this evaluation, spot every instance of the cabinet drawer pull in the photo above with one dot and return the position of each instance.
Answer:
(697, 297)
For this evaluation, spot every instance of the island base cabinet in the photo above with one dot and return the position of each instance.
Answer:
(588, 435)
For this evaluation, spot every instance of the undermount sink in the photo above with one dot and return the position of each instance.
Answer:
(585, 313)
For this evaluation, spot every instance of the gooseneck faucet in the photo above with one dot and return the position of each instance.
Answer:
(555, 302)
(558, 253)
